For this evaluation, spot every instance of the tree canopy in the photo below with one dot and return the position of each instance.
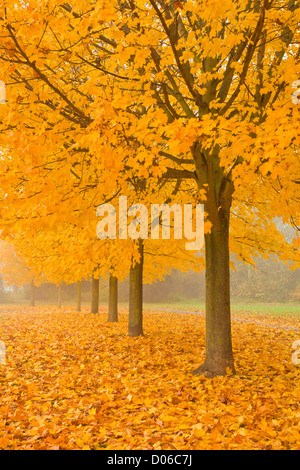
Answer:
(196, 96)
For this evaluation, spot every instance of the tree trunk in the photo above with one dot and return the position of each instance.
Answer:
(59, 296)
(79, 296)
(135, 321)
(32, 294)
(95, 296)
(217, 205)
(219, 355)
(113, 299)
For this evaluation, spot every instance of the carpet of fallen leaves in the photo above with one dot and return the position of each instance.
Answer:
(74, 381)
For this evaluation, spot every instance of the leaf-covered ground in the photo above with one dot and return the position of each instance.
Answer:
(74, 381)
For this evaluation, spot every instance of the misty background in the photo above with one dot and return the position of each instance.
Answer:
(269, 281)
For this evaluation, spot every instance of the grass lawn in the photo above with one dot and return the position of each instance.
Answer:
(291, 308)
(253, 307)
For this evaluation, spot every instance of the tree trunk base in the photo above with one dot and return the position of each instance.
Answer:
(135, 331)
(209, 373)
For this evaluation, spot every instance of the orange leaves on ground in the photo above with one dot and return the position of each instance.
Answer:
(73, 381)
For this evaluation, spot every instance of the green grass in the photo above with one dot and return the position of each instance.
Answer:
(291, 308)
(253, 307)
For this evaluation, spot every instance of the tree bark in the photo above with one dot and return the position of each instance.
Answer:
(135, 320)
(59, 296)
(219, 355)
(79, 296)
(32, 294)
(95, 295)
(113, 299)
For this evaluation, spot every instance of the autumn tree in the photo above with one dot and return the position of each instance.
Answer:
(187, 92)
(15, 271)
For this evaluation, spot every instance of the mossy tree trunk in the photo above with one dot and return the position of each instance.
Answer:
(219, 355)
(95, 295)
(113, 299)
(135, 320)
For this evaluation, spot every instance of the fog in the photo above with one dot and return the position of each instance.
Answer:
(268, 282)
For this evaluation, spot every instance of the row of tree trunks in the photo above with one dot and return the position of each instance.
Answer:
(135, 319)
(113, 297)
(219, 356)
(32, 295)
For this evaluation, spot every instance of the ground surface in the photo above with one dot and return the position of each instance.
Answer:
(73, 381)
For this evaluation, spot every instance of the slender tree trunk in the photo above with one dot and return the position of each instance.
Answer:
(79, 296)
(32, 294)
(113, 299)
(95, 296)
(59, 296)
(219, 355)
(135, 321)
